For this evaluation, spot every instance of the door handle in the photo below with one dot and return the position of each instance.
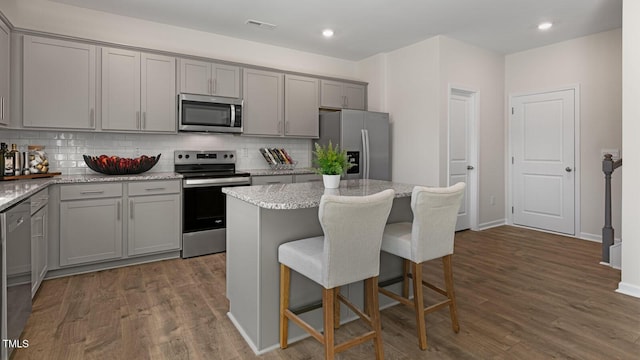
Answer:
(470, 167)
(568, 169)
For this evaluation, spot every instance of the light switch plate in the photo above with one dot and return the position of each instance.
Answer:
(615, 153)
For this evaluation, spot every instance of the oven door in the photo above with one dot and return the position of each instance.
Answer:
(204, 204)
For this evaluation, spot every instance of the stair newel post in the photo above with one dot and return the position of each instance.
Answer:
(607, 230)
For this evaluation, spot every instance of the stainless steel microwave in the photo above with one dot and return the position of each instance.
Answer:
(204, 113)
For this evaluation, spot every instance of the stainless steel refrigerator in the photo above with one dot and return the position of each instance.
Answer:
(365, 137)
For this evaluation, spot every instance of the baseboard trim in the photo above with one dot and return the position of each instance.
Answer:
(491, 224)
(595, 238)
(628, 289)
(245, 336)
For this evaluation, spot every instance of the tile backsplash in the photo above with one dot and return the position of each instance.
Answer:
(65, 149)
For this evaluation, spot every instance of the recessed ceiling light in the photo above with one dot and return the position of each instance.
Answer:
(545, 26)
(327, 33)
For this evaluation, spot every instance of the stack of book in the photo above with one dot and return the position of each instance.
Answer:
(278, 158)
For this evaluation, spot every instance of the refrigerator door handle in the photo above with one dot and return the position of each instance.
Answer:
(366, 132)
(365, 164)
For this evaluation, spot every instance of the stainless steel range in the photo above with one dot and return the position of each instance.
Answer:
(204, 205)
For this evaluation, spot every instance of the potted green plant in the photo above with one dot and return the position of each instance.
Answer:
(331, 163)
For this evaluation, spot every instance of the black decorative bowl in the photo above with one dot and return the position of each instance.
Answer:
(114, 165)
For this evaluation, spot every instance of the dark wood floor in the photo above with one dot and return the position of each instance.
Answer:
(521, 295)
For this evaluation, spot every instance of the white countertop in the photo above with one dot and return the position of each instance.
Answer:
(14, 191)
(308, 194)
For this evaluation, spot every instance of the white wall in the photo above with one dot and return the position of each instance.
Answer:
(630, 283)
(480, 70)
(73, 21)
(595, 63)
(374, 70)
(412, 101)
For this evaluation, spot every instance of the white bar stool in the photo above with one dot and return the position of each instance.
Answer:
(348, 252)
(430, 236)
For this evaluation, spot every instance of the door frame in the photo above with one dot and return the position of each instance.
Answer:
(474, 147)
(576, 154)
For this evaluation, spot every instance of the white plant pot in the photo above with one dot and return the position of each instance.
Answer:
(331, 181)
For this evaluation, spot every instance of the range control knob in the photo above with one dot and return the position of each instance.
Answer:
(225, 156)
(231, 156)
(186, 156)
(180, 156)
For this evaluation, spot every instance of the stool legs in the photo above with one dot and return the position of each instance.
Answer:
(418, 304)
(448, 281)
(285, 285)
(336, 308)
(405, 278)
(328, 301)
(371, 285)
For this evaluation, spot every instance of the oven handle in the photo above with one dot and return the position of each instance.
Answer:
(192, 183)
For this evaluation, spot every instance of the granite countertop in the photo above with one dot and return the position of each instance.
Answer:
(14, 191)
(265, 172)
(307, 195)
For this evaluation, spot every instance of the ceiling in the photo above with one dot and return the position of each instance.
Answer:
(367, 27)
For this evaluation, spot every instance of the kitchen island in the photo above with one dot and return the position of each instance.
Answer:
(259, 219)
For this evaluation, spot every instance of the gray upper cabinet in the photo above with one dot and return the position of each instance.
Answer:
(341, 95)
(59, 84)
(301, 112)
(4, 73)
(263, 102)
(205, 78)
(138, 91)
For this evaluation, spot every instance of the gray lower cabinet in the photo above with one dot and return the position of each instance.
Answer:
(154, 217)
(39, 239)
(90, 223)
(299, 178)
(98, 221)
(271, 179)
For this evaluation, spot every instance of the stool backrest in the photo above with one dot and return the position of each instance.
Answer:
(435, 212)
(353, 227)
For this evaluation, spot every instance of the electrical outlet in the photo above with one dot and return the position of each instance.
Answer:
(492, 200)
(244, 152)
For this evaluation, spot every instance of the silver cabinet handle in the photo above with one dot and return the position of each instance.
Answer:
(119, 207)
(286, 127)
(2, 116)
(279, 127)
(91, 118)
(92, 192)
(44, 221)
(154, 189)
(215, 86)
(137, 119)
(131, 208)
(144, 120)
(346, 101)
(470, 167)
(568, 169)
(210, 86)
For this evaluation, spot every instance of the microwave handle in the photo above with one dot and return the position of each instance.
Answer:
(233, 115)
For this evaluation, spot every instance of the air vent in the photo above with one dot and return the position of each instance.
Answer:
(260, 24)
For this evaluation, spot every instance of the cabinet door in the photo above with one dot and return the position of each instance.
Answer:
(271, 179)
(263, 102)
(153, 224)
(59, 84)
(301, 112)
(39, 248)
(120, 89)
(354, 96)
(195, 77)
(300, 178)
(331, 95)
(90, 230)
(158, 93)
(226, 80)
(4, 74)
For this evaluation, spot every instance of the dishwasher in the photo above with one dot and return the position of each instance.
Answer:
(15, 229)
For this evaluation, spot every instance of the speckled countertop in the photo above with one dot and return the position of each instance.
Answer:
(265, 172)
(14, 191)
(307, 195)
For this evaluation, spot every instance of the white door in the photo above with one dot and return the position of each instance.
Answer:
(542, 135)
(461, 112)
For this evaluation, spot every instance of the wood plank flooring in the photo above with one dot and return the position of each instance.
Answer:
(521, 294)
